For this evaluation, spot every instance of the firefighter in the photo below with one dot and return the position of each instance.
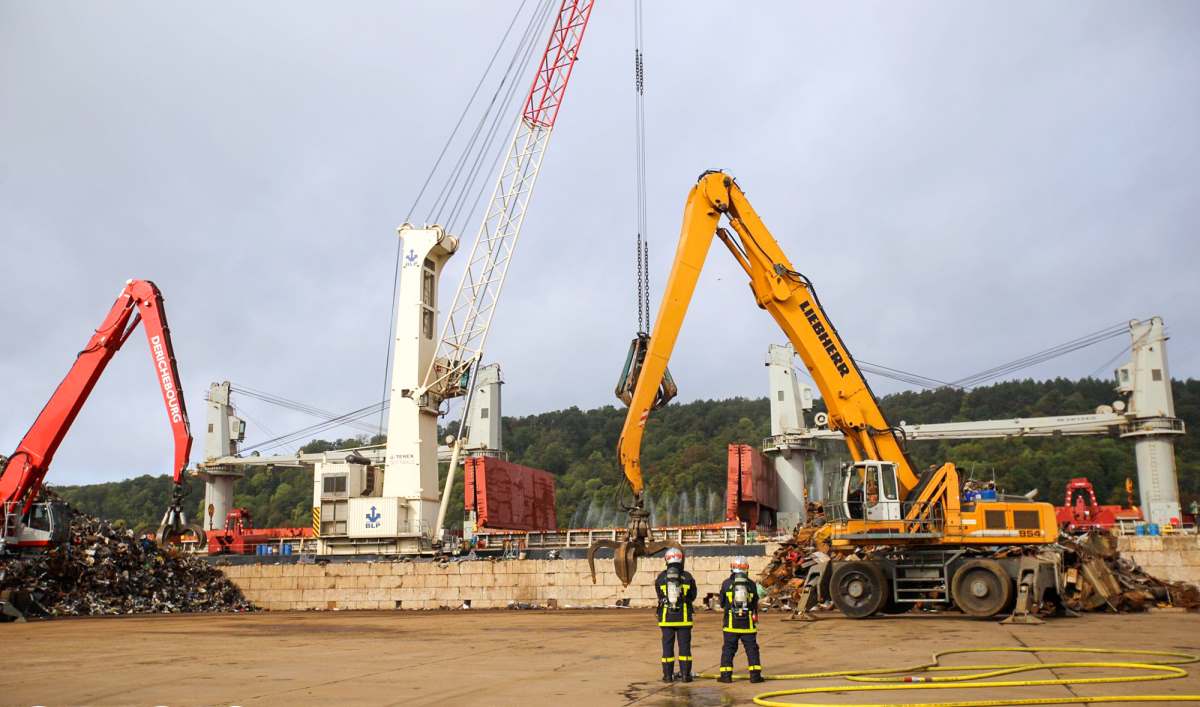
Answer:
(739, 599)
(676, 591)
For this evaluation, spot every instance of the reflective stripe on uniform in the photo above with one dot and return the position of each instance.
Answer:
(740, 630)
(754, 667)
(727, 669)
(669, 660)
(675, 624)
(685, 657)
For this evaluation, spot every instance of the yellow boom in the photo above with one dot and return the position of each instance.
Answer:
(789, 297)
(894, 504)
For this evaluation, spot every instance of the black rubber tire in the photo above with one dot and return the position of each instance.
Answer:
(981, 588)
(859, 588)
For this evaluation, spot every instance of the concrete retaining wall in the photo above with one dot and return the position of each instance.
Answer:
(1170, 557)
(487, 584)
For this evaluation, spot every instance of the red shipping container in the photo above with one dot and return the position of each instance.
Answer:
(751, 489)
(507, 496)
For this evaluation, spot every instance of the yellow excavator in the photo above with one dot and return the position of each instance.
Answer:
(909, 536)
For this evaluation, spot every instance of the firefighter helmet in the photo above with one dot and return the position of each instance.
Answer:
(739, 564)
(674, 556)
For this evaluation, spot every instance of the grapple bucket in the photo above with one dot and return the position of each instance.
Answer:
(633, 370)
(174, 527)
(627, 552)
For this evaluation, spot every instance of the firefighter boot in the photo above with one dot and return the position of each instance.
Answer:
(726, 675)
(668, 671)
(756, 676)
(685, 671)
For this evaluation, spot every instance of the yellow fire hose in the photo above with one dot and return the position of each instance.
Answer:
(913, 678)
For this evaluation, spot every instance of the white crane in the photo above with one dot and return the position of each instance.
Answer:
(464, 334)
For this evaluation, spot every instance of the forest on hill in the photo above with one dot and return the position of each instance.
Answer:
(684, 455)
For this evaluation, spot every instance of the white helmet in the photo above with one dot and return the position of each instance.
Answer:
(740, 564)
(674, 556)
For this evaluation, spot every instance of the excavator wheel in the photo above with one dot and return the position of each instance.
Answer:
(858, 588)
(981, 588)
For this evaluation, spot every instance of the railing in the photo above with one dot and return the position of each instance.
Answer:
(271, 548)
(584, 537)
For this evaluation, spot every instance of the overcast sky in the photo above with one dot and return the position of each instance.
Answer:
(965, 183)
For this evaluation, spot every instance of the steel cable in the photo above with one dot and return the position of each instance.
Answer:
(453, 176)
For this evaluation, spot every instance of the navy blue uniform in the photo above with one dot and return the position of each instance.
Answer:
(740, 623)
(675, 621)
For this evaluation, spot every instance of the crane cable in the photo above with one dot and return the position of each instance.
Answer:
(913, 678)
(465, 169)
(643, 246)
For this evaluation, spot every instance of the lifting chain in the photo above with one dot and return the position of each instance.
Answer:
(643, 243)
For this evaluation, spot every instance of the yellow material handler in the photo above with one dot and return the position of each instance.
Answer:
(917, 539)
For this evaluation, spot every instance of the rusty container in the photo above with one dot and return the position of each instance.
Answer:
(507, 496)
(751, 489)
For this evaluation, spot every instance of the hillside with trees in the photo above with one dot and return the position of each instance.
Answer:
(684, 455)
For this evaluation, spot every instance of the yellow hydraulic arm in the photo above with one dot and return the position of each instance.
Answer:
(789, 297)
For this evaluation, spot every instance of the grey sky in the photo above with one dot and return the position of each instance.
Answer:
(964, 182)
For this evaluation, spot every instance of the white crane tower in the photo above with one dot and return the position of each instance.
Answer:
(449, 371)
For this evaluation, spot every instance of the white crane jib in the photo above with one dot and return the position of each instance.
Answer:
(451, 371)
(470, 315)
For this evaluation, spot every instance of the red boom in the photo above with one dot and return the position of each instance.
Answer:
(21, 478)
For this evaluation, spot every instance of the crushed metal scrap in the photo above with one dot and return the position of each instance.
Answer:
(104, 570)
(1095, 575)
(1098, 578)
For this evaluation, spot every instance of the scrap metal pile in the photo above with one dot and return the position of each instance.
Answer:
(1097, 578)
(784, 575)
(1095, 575)
(104, 570)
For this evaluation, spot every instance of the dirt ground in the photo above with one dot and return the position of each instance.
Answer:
(510, 657)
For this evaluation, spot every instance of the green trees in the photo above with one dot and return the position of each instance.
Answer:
(684, 455)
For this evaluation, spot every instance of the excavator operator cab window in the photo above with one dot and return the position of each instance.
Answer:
(883, 500)
(39, 517)
(854, 492)
(869, 491)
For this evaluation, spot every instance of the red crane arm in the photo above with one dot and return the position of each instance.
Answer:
(554, 71)
(21, 478)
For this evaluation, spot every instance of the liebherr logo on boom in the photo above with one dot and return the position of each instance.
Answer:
(166, 380)
(826, 341)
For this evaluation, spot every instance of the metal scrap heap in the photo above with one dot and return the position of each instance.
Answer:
(104, 570)
(783, 577)
(1097, 578)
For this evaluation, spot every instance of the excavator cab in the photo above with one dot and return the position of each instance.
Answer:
(867, 490)
(46, 523)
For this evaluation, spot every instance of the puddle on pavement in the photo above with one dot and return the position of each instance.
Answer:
(695, 695)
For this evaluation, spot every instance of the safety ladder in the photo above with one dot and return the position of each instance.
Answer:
(923, 577)
(12, 523)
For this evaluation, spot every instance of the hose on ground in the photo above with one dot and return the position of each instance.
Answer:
(917, 677)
